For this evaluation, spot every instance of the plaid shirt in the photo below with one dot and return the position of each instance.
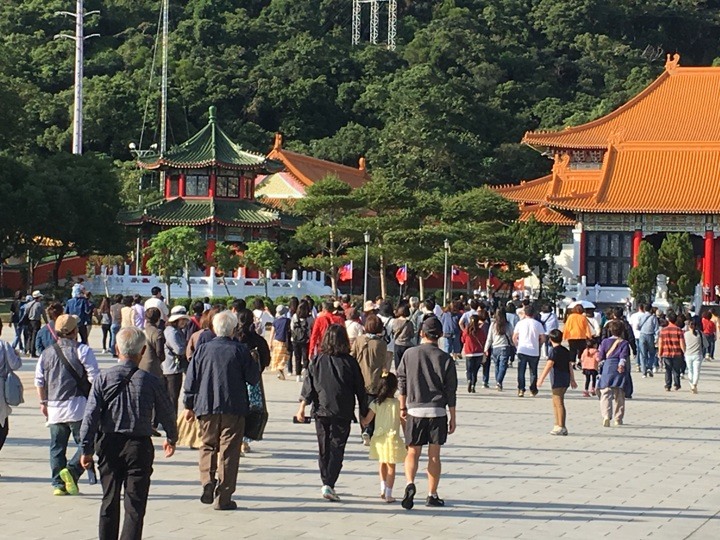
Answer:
(671, 339)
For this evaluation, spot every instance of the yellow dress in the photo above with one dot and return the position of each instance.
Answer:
(386, 445)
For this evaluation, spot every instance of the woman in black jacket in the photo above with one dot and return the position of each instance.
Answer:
(332, 385)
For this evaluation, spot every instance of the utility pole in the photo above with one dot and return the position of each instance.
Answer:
(79, 39)
(164, 82)
(375, 21)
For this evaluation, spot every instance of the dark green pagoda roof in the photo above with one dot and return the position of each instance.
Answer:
(192, 212)
(210, 147)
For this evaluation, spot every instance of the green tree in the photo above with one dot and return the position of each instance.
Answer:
(539, 244)
(175, 251)
(263, 256)
(226, 259)
(676, 261)
(643, 277)
(327, 207)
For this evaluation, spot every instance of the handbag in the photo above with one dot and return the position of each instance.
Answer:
(257, 417)
(83, 384)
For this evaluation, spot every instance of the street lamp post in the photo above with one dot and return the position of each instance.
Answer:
(366, 237)
(445, 275)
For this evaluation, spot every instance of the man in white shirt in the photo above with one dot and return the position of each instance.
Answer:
(157, 301)
(63, 376)
(528, 336)
(465, 319)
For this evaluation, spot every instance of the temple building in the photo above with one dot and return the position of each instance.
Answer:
(648, 168)
(209, 184)
(281, 189)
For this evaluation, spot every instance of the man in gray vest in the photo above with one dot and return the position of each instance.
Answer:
(62, 377)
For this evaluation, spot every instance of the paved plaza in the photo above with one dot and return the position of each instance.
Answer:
(656, 477)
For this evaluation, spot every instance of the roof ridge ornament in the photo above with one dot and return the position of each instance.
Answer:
(212, 112)
(278, 141)
(672, 61)
(617, 136)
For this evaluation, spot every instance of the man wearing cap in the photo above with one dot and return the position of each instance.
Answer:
(35, 314)
(62, 376)
(120, 409)
(79, 306)
(427, 380)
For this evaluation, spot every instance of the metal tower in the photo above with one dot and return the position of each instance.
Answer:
(374, 21)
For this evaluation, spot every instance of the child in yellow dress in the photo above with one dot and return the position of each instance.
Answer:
(386, 446)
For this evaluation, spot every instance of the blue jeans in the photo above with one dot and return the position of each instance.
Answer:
(472, 366)
(710, 353)
(501, 357)
(523, 361)
(59, 437)
(114, 329)
(18, 341)
(646, 352)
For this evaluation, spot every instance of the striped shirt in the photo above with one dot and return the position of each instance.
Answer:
(131, 412)
(671, 341)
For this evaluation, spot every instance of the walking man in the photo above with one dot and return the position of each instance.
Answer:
(427, 380)
(528, 335)
(156, 301)
(62, 376)
(671, 348)
(120, 409)
(645, 326)
(35, 315)
(216, 392)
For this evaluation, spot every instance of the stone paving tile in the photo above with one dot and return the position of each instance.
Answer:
(657, 477)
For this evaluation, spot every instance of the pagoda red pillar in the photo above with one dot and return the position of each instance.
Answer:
(637, 238)
(213, 185)
(181, 185)
(709, 261)
(583, 244)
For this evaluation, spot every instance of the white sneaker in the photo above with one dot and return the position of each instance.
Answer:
(298, 379)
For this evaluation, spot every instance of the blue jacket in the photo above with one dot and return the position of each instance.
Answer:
(217, 378)
(81, 307)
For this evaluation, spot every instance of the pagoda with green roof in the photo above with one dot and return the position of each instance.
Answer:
(209, 184)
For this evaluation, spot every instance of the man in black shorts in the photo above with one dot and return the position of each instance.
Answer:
(427, 380)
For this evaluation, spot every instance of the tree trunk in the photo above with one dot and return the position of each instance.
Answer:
(383, 285)
(187, 278)
(226, 287)
(266, 283)
(168, 282)
(421, 286)
(55, 272)
(333, 279)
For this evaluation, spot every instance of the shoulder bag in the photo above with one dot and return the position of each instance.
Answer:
(83, 383)
(257, 416)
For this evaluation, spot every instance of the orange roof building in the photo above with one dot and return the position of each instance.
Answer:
(650, 167)
(281, 189)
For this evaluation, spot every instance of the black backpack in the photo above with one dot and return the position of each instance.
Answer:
(300, 333)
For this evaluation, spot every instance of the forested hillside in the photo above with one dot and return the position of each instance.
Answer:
(445, 110)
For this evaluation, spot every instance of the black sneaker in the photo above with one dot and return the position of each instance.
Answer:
(407, 502)
(470, 387)
(434, 500)
(208, 494)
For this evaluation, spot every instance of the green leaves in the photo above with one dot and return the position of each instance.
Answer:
(174, 251)
(643, 277)
(676, 260)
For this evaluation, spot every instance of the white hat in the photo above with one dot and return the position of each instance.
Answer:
(177, 313)
(280, 310)
(369, 306)
(37, 294)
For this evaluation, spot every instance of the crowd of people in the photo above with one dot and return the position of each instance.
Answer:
(395, 364)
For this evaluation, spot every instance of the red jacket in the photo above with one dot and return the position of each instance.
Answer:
(320, 326)
(475, 343)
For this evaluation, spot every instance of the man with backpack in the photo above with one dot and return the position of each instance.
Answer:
(80, 307)
(63, 376)
(34, 314)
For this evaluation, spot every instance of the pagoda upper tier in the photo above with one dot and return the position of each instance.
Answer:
(659, 153)
(210, 147)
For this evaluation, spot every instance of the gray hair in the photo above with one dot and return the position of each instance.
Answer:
(414, 301)
(130, 342)
(224, 324)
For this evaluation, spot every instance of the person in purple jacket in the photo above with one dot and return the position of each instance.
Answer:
(614, 355)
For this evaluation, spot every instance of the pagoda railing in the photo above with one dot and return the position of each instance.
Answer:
(111, 281)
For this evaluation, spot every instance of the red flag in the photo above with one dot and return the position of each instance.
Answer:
(459, 276)
(401, 275)
(346, 272)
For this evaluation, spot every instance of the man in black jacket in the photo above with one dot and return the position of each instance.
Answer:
(216, 392)
(427, 380)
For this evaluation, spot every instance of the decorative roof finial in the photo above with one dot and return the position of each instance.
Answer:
(278, 141)
(213, 113)
(361, 164)
(673, 61)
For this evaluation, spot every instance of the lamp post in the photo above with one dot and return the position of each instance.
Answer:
(366, 237)
(446, 245)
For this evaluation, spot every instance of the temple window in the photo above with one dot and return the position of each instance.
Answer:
(228, 186)
(586, 159)
(608, 258)
(174, 190)
(197, 185)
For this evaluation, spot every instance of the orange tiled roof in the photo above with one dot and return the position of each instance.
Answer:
(277, 203)
(543, 214)
(530, 191)
(681, 105)
(309, 170)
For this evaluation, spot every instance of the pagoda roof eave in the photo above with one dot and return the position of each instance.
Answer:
(269, 166)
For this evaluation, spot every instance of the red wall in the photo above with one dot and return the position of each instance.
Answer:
(12, 279)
